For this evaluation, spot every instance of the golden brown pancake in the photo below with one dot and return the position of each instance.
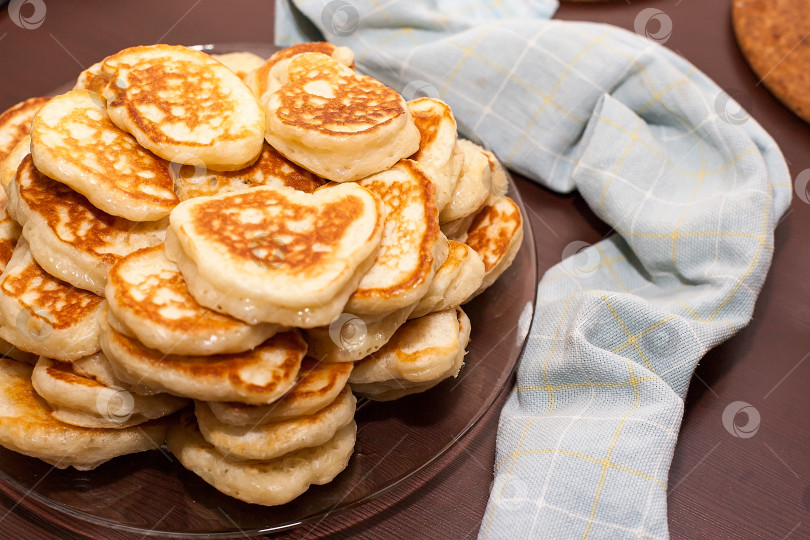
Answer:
(148, 296)
(92, 79)
(69, 237)
(421, 354)
(271, 169)
(412, 246)
(496, 234)
(9, 234)
(455, 281)
(28, 427)
(259, 376)
(341, 125)
(275, 439)
(43, 315)
(260, 80)
(437, 131)
(473, 187)
(240, 62)
(73, 142)
(276, 254)
(181, 104)
(318, 385)
(87, 402)
(15, 123)
(8, 167)
(273, 482)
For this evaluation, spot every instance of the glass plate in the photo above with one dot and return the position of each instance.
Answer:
(152, 494)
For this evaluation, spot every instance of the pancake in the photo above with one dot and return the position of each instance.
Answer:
(43, 315)
(69, 237)
(8, 167)
(93, 79)
(412, 246)
(73, 142)
(437, 130)
(15, 124)
(260, 80)
(86, 402)
(271, 169)
(97, 367)
(496, 234)
(280, 255)
(318, 384)
(260, 376)
(457, 280)
(28, 427)
(241, 62)
(474, 185)
(274, 439)
(268, 483)
(421, 354)
(179, 102)
(500, 180)
(341, 125)
(351, 337)
(149, 297)
(9, 234)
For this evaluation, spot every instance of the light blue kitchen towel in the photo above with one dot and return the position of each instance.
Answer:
(690, 184)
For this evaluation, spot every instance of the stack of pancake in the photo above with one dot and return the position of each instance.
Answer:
(250, 242)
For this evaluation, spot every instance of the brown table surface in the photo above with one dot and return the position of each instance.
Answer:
(720, 486)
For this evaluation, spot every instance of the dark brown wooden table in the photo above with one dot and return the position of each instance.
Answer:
(721, 486)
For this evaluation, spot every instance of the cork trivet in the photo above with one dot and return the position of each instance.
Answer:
(774, 36)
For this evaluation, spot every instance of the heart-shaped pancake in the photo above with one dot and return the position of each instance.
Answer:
(339, 124)
(74, 142)
(179, 102)
(69, 237)
(275, 254)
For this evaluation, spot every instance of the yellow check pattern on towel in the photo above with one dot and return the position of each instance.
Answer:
(691, 186)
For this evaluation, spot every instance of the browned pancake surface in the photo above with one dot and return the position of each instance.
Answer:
(15, 123)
